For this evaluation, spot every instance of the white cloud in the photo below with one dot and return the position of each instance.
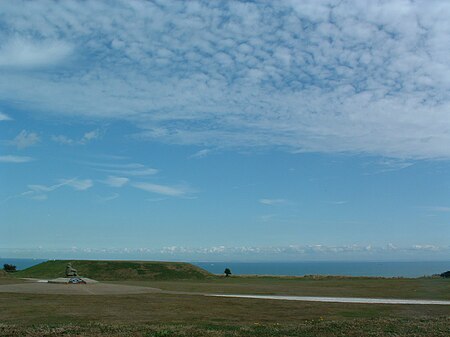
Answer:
(162, 189)
(201, 154)
(25, 139)
(62, 139)
(267, 217)
(432, 248)
(131, 169)
(87, 137)
(109, 197)
(338, 202)
(4, 117)
(250, 253)
(39, 197)
(439, 208)
(304, 76)
(299, 251)
(75, 183)
(271, 202)
(43, 188)
(31, 53)
(39, 192)
(78, 184)
(139, 172)
(390, 164)
(114, 181)
(15, 159)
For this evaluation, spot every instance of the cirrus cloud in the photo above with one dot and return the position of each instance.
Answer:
(172, 191)
(114, 181)
(15, 159)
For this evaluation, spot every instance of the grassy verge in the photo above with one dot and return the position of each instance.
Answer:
(420, 288)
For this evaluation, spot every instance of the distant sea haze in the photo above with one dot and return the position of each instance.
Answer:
(376, 269)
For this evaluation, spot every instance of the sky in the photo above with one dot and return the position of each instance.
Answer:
(225, 130)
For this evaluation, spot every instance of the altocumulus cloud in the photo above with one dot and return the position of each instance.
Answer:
(330, 76)
(20, 53)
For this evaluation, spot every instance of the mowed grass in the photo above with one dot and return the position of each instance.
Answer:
(157, 314)
(189, 315)
(414, 288)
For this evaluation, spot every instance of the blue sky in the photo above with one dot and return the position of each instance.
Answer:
(312, 130)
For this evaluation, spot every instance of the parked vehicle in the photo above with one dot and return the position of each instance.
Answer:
(76, 280)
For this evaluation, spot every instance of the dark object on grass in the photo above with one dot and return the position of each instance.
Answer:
(9, 268)
(446, 274)
(227, 272)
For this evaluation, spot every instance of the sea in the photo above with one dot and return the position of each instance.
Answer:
(374, 269)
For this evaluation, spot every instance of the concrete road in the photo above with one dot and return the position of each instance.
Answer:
(336, 299)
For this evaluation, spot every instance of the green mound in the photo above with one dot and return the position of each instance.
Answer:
(3, 274)
(117, 270)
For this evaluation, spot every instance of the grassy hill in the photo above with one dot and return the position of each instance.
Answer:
(117, 270)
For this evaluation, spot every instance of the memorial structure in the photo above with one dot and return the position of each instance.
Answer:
(72, 277)
(70, 271)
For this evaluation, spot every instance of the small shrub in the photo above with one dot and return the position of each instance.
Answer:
(9, 267)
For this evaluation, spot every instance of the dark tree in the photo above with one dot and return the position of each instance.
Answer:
(227, 272)
(446, 274)
(9, 267)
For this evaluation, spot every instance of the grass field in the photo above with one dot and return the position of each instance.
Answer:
(419, 288)
(160, 314)
(156, 314)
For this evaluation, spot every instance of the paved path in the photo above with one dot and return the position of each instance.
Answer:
(335, 299)
(75, 289)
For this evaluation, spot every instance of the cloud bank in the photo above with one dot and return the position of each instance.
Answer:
(328, 76)
(388, 252)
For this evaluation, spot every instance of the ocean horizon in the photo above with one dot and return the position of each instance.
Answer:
(336, 268)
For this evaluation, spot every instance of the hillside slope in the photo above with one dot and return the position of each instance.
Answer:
(117, 270)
